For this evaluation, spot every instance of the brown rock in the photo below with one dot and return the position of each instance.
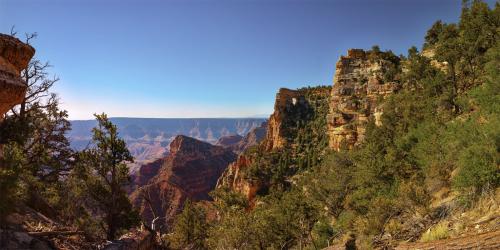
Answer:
(14, 56)
(190, 171)
(239, 144)
(356, 89)
(229, 141)
(233, 179)
(285, 99)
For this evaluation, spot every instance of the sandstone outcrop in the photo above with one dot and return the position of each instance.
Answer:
(358, 86)
(276, 129)
(190, 171)
(14, 57)
(294, 111)
(233, 178)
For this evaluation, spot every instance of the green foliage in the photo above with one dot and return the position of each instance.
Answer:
(279, 222)
(10, 171)
(38, 153)
(304, 127)
(439, 131)
(226, 199)
(190, 229)
(103, 175)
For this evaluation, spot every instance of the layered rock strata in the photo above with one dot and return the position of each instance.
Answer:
(286, 99)
(190, 171)
(293, 109)
(357, 89)
(233, 178)
(239, 144)
(14, 57)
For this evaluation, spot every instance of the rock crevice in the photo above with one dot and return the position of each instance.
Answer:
(358, 86)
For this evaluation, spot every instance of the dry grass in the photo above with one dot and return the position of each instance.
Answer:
(438, 232)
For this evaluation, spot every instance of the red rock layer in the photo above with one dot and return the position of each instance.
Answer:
(190, 171)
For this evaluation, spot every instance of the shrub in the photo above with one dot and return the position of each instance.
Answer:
(438, 232)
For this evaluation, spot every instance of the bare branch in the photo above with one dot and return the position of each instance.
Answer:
(30, 36)
(13, 31)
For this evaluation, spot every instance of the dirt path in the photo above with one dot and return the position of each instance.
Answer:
(485, 241)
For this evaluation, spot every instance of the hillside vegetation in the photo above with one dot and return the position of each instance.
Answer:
(435, 155)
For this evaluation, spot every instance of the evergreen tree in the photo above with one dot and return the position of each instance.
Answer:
(105, 174)
(35, 132)
(190, 229)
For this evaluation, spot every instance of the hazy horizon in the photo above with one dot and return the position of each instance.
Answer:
(227, 117)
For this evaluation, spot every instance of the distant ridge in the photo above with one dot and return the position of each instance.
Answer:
(148, 138)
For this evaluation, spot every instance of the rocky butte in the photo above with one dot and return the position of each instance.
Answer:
(360, 81)
(190, 171)
(233, 178)
(291, 109)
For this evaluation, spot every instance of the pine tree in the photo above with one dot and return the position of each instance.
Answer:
(105, 175)
(190, 229)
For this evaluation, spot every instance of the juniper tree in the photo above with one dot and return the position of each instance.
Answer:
(104, 175)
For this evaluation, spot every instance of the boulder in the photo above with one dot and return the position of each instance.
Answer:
(14, 57)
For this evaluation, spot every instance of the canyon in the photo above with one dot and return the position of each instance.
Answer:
(148, 139)
(354, 100)
(190, 171)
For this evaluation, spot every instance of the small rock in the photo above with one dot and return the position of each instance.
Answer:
(23, 238)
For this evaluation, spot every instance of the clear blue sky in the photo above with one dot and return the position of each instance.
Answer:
(206, 58)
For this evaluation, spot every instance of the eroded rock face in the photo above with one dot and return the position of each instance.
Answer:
(358, 85)
(229, 141)
(239, 144)
(234, 180)
(276, 128)
(190, 171)
(145, 173)
(14, 57)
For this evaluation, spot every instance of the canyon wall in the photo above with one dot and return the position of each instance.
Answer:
(190, 171)
(276, 130)
(358, 87)
(239, 144)
(305, 118)
(287, 129)
(148, 138)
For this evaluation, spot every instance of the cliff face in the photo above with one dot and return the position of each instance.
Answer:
(229, 141)
(286, 99)
(296, 126)
(358, 85)
(145, 173)
(307, 121)
(233, 178)
(190, 171)
(239, 144)
(14, 57)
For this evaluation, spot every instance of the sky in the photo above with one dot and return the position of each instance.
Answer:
(206, 58)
